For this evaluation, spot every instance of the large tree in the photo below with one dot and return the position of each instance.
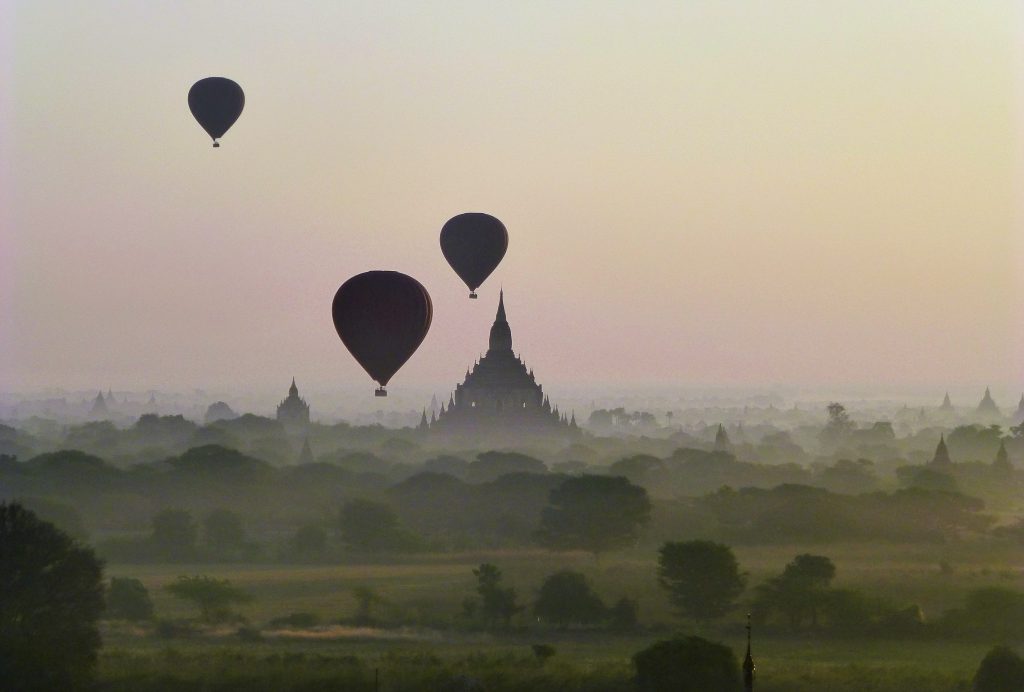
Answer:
(702, 578)
(51, 595)
(566, 598)
(175, 534)
(801, 591)
(214, 597)
(371, 526)
(594, 513)
(497, 603)
(223, 532)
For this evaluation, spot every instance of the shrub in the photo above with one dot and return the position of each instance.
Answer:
(692, 664)
(1002, 670)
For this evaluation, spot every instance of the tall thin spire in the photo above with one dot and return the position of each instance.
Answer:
(501, 333)
(748, 664)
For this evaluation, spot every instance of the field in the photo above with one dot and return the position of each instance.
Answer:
(423, 641)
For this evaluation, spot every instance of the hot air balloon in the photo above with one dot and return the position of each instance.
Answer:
(382, 318)
(216, 103)
(474, 244)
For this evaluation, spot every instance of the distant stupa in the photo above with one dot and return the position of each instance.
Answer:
(947, 405)
(722, 443)
(988, 407)
(293, 412)
(1019, 415)
(941, 458)
(1001, 463)
(99, 407)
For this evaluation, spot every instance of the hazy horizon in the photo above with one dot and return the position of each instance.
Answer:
(697, 196)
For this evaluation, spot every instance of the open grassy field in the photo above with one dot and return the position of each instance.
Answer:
(423, 642)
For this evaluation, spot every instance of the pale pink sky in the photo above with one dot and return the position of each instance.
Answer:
(696, 193)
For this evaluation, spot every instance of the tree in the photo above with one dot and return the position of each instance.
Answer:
(366, 599)
(309, 541)
(800, 591)
(214, 597)
(373, 526)
(174, 534)
(496, 603)
(624, 615)
(566, 598)
(594, 513)
(702, 578)
(1002, 670)
(223, 532)
(839, 424)
(687, 665)
(128, 599)
(51, 595)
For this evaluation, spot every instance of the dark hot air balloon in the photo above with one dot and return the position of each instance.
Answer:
(474, 244)
(216, 102)
(382, 318)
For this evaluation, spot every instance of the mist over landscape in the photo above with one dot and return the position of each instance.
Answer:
(457, 347)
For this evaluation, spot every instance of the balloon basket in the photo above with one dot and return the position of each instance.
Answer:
(472, 294)
(380, 391)
(216, 144)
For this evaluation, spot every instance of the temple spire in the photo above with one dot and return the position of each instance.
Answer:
(748, 664)
(293, 391)
(501, 333)
(941, 457)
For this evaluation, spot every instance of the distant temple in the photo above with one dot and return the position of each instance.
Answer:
(99, 407)
(293, 412)
(722, 443)
(988, 407)
(941, 458)
(947, 405)
(499, 396)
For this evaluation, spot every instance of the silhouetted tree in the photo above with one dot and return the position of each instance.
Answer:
(594, 513)
(702, 578)
(174, 534)
(214, 597)
(566, 598)
(687, 665)
(366, 599)
(800, 591)
(497, 603)
(128, 599)
(1002, 670)
(624, 615)
(373, 526)
(223, 532)
(309, 541)
(51, 595)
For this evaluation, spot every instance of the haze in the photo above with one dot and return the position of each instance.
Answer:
(701, 192)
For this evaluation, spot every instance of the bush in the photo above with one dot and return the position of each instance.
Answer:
(692, 664)
(624, 615)
(128, 599)
(1002, 670)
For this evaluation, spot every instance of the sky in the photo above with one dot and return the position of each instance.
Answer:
(696, 193)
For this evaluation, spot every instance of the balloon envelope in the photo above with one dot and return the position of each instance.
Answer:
(474, 244)
(382, 317)
(216, 102)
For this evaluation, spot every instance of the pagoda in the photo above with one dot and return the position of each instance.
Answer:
(499, 396)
